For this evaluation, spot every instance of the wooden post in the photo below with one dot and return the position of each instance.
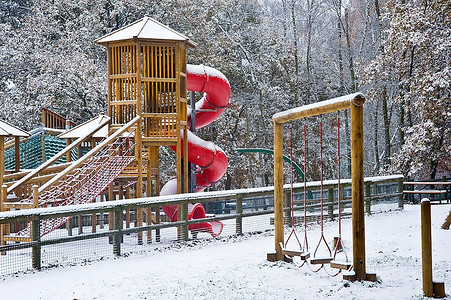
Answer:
(36, 237)
(2, 159)
(110, 214)
(68, 154)
(35, 196)
(139, 183)
(183, 233)
(101, 215)
(43, 146)
(16, 154)
(80, 226)
(278, 189)
(400, 192)
(3, 197)
(330, 207)
(368, 198)
(426, 247)
(155, 164)
(185, 160)
(447, 222)
(127, 212)
(358, 209)
(117, 225)
(149, 194)
(286, 203)
(342, 197)
(239, 211)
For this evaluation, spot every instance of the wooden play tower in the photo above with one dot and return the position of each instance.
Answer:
(147, 78)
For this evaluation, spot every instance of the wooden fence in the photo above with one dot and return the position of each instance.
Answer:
(377, 188)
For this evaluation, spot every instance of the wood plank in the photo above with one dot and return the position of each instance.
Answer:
(340, 265)
(123, 102)
(155, 79)
(305, 256)
(321, 261)
(17, 239)
(291, 253)
(159, 141)
(2, 159)
(123, 76)
(10, 205)
(349, 277)
(426, 192)
(427, 183)
(159, 115)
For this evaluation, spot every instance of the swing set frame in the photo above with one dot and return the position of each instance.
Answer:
(353, 102)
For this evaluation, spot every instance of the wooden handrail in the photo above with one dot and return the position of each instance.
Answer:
(427, 183)
(88, 155)
(10, 178)
(57, 156)
(51, 119)
(225, 195)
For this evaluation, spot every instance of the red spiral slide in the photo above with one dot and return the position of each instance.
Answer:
(210, 158)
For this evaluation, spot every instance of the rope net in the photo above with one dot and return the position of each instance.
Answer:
(85, 183)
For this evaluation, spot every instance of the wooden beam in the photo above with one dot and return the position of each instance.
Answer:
(16, 154)
(358, 204)
(278, 189)
(3, 195)
(319, 108)
(426, 248)
(2, 159)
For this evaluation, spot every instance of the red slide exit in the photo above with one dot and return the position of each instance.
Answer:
(210, 158)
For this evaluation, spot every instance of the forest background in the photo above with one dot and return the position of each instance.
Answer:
(277, 54)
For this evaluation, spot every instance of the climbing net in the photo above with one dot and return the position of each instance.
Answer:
(85, 183)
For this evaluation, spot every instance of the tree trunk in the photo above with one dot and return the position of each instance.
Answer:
(386, 126)
(350, 56)
(376, 138)
(296, 58)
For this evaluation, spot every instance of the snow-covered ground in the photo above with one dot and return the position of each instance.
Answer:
(236, 268)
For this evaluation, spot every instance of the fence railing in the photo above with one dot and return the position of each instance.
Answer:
(51, 119)
(244, 210)
(435, 189)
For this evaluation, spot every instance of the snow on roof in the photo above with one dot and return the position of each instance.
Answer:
(145, 28)
(7, 129)
(81, 129)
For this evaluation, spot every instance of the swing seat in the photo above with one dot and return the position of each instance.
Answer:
(292, 253)
(289, 253)
(321, 261)
(340, 265)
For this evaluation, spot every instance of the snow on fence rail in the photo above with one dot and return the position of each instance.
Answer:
(244, 210)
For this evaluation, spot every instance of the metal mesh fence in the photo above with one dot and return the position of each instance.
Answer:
(16, 258)
(96, 233)
(31, 151)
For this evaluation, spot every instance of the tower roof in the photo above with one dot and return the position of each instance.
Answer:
(80, 130)
(9, 130)
(147, 29)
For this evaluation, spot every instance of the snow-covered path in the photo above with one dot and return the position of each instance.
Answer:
(236, 268)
